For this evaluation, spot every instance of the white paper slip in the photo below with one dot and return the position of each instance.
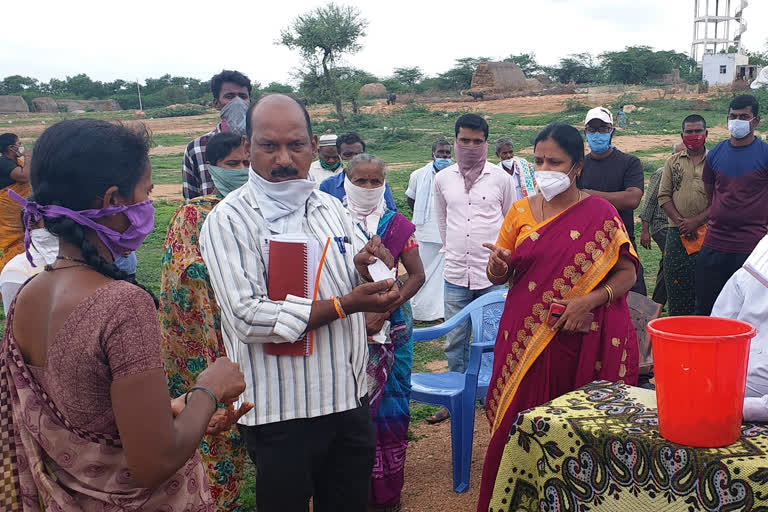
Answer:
(380, 272)
(381, 336)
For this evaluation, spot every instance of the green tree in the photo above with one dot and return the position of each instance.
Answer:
(526, 62)
(579, 68)
(82, 86)
(17, 84)
(636, 64)
(278, 88)
(408, 77)
(323, 35)
(459, 77)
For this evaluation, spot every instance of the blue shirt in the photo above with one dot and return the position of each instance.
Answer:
(335, 186)
(127, 264)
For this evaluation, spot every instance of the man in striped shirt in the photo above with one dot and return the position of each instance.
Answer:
(196, 180)
(310, 432)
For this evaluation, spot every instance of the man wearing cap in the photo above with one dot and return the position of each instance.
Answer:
(612, 175)
(328, 162)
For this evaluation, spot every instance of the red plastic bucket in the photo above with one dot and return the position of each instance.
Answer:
(700, 366)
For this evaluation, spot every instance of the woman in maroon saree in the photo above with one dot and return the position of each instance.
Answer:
(559, 247)
(86, 422)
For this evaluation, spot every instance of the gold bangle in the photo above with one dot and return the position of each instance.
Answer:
(610, 292)
(494, 276)
(337, 306)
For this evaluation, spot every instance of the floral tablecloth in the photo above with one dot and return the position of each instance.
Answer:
(599, 449)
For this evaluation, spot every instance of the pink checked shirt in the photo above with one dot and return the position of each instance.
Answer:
(467, 220)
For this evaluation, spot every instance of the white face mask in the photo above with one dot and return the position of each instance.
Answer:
(364, 201)
(20, 150)
(509, 163)
(738, 128)
(553, 183)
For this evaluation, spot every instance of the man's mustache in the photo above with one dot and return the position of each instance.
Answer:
(284, 172)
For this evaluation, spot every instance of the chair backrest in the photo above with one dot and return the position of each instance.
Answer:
(642, 310)
(485, 316)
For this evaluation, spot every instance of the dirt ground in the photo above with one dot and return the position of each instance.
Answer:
(428, 474)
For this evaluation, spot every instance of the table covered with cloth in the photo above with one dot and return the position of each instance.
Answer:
(599, 449)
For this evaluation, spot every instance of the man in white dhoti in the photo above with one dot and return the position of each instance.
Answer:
(745, 297)
(427, 304)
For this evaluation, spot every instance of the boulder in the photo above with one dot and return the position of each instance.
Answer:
(88, 105)
(13, 104)
(544, 79)
(628, 109)
(45, 105)
(373, 90)
(139, 114)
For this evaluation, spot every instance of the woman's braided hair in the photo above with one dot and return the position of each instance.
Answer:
(74, 164)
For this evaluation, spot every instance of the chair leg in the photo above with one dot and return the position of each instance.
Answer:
(461, 445)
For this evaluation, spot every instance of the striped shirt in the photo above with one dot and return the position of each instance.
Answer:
(333, 378)
(195, 177)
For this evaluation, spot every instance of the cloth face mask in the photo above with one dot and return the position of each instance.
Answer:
(141, 218)
(227, 180)
(364, 201)
(599, 142)
(471, 160)
(694, 142)
(330, 167)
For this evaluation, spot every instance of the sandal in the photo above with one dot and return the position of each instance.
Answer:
(439, 416)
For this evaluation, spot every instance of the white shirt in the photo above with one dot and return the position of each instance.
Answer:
(745, 298)
(333, 378)
(421, 188)
(43, 249)
(316, 170)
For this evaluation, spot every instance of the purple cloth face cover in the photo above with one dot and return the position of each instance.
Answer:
(141, 217)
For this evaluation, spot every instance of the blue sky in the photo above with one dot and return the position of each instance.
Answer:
(144, 38)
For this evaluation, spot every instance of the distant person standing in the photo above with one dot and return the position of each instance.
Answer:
(686, 203)
(14, 175)
(612, 175)
(328, 162)
(621, 117)
(654, 226)
(427, 304)
(349, 146)
(471, 199)
(196, 179)
(736, 181)
(520, 169)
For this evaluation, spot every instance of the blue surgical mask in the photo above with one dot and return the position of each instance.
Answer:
(442, 163)
(599, 142)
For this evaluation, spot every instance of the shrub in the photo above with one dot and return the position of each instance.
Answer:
(178, 111)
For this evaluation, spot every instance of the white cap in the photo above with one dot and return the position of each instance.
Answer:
(600, 113)
(327, 139)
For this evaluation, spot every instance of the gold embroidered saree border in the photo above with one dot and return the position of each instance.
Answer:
(543, 335)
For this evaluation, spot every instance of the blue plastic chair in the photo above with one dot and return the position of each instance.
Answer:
(457, 392)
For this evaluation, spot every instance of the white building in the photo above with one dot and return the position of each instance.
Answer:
(726, 68)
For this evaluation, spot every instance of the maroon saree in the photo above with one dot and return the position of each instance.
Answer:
(49, 465)
(563, 258)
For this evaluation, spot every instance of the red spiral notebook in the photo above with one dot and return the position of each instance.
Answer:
(292, 267)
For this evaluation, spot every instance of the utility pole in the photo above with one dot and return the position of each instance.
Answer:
(138, 88)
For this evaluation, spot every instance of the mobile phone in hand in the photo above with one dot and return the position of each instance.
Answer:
(557, 310)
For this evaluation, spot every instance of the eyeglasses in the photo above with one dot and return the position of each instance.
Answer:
(741, 117)
(606, 128)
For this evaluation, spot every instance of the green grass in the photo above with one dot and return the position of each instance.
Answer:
(406, 137)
